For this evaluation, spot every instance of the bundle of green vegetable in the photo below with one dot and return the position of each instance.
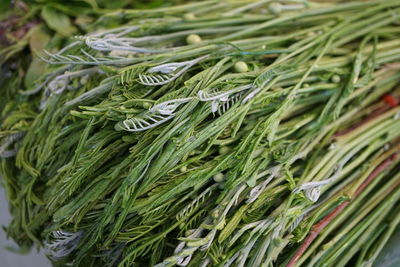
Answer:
(217, 133)
(45, 24)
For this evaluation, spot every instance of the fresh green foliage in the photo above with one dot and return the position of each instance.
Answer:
(134, 147)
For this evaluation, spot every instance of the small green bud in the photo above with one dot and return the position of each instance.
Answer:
(275, 8)
(336, 78)
(183, 169)
(224, 150)
(241, 67)
(193, 39)
(146, 105)
(189, 16)
(219, 177)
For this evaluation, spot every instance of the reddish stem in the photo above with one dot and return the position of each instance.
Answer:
(389, 102)
(317, 228)
(385, 164)
(370, 117)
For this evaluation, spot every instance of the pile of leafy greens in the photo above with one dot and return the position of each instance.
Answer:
(212, 133)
